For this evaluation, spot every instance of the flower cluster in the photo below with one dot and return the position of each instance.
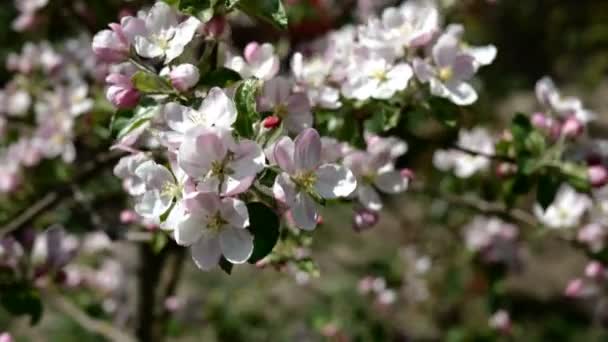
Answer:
(41, 104)
(254, 138)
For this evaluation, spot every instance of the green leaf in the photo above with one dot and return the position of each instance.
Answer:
(245, 99)
(521, 129)
(444, 111)
(149, 83)
(159, 241)
(271, 11)
(222, 77)
(264, 225)
(548, 185)
(202, 9)
(385, 118)
(226, 266)
(22, 300)
(576, 175)
(124, 122)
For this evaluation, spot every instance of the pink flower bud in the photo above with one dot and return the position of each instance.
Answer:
(594, 270)
(121, 92)
(598, 175)
(574, 288)
(250, 51)
(504, 170)
(271, 122)
(215, 27)
(184, 77)
(111, 45)
(540, 120)
(128, 216)
(572, 127)
(6, 337)
(501, 321)
(407, 173)
(365, 219)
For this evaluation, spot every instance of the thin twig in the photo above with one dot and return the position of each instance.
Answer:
(483, 154)
(54, 197)
(480, 205)
(87, 322)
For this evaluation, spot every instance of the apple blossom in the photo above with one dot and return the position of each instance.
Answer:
(259, 61)
(161, 188)
(214, 227)
(122, 92)
(311, 76)
(303, 177)
(463, 163)
(114, 45)
(216, 111)
(292, 108)
(218, 162)
(184, 77)
(449, 71)
(563, 107)
(376, 77)
(566, 211)
(164, 36)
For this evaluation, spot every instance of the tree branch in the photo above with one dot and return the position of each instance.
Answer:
(479, 205)
(93, 325)
(54, 197)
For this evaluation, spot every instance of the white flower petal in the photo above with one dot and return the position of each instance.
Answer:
(307, 150)
(235, 212)
(304, 212)
(206, 253)
(218, 109)
(236, 244)
(369, 197)
(189, 231)
(391, 182)
(335, 181)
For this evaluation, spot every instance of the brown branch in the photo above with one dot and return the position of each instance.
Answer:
(158, 277)
(483, 154)
(54, 197)
(87, 322)
(480, 205)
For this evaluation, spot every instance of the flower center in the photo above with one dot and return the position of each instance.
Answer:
(216, 222)
(197, 117)
(219, 167)
(171, 190)
(446, 73)
(281, 110)
(305, 180)
(380, 75)
(163, 38)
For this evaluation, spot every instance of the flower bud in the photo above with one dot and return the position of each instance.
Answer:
(111, 45)
(598, 175)
(504, 169)
(574, 288)
(572, 128)
(407, 173)
(540, 120)
(6, 337)
(250, 51)
(594, 270)
(184, 77)
(271, 122)
(121, 92)
(215, 27)
(128, 216)
(501, 321)
(365, 219)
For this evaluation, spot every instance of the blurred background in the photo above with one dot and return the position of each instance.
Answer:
(407, 279)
